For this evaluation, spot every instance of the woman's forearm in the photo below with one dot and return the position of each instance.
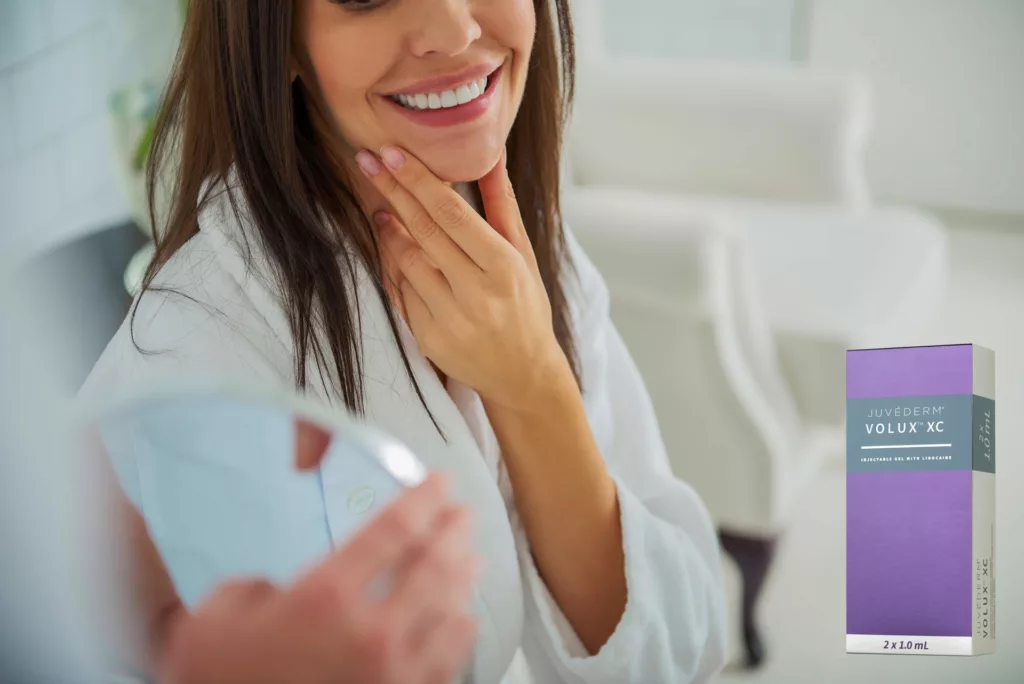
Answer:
(154, 603)
(569, 507)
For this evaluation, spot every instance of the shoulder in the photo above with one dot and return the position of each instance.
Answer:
(191, 292)
(195, 322)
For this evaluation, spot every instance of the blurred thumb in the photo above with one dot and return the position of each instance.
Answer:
(311, 442)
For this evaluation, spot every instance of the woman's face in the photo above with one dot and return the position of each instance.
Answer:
(440, 78)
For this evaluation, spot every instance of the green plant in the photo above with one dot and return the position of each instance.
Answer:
(146, 139)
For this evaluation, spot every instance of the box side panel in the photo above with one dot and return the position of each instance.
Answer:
(984, 568)
(984, 362)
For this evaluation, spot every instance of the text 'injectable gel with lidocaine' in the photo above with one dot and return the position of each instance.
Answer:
(920, 500)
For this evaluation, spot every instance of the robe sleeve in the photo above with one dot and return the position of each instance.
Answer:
(673, 627)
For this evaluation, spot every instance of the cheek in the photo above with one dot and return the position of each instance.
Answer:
(520, 18)
(513, 24)
(347, 68)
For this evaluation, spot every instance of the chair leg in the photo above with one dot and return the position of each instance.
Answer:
(753, 555)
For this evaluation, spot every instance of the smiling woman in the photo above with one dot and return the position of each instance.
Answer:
(367, 58)
(367, 211)
(280, 96)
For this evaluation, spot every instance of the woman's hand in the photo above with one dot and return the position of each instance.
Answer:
(332, 624)
(471, 289)
(474, 299)
(327, 627)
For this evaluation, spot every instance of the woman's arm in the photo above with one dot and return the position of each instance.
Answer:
(568, 505)
(152, 589)
(152, 604)
(626, 552)
(474, 298)
(673, 625)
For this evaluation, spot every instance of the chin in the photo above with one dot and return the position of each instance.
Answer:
(462, 164)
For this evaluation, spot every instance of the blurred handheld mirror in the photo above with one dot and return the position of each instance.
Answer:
(215, 474)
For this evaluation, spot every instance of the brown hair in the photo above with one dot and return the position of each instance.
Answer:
(231, 106)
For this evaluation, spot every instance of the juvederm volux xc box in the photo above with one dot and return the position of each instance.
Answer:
(920, 500)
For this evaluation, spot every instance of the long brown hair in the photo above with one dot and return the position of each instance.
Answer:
(231, 107)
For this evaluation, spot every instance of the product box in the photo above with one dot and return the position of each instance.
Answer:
(920, 500)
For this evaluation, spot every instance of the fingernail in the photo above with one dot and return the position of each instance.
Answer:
(393, 157)
(381, 218)
(368, 163)
(504, 156)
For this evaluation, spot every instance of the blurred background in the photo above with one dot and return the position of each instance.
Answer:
(764, 184)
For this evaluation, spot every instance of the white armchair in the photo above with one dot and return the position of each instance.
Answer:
(721, 130)
(684, 300)
(728, 209)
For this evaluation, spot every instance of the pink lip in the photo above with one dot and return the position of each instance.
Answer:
(433, 85)
(453, 116)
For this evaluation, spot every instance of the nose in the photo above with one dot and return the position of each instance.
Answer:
(445, 27)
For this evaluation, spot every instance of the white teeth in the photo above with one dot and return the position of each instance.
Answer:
(445, 98)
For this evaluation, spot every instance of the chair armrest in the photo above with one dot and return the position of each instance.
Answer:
(725, 130)
(823, 271)
(656, 247)
(687, 266)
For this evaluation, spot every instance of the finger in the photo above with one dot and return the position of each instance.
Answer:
(383, 541)
(415, 266)
(502, 208)
(419, 317)
(311, 442)
(456, 600)
(447, 652)
(448, 256)
(241, 593)
(453, 214)
(435, 579)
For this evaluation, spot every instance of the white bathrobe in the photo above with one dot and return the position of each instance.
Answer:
(222, 319)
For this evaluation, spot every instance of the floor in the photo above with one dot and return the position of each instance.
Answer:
(803, 607)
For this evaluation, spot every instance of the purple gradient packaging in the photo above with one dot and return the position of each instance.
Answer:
(920, 500)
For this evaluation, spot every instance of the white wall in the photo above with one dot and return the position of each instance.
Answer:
(948, 77)
(59, 61)
(949, 83)
(752, 30)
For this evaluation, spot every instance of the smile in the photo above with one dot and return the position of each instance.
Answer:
(448, 104)
(444, 99)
